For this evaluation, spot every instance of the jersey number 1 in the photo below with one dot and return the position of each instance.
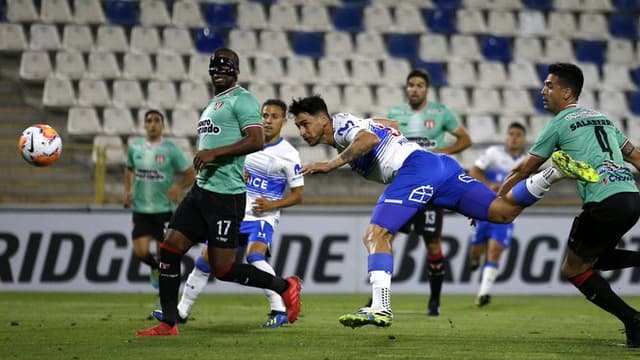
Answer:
(603, 140)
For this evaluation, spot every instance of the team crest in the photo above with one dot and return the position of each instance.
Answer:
(160, 159)
(218, 105)
(429, 123)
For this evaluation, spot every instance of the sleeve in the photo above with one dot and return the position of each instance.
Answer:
(130, 157)
(292, 170)
(346, 127)
(179, 161)
(451, 120)
(546, 142)
(485, 159)
(247, 110)
(622, 138)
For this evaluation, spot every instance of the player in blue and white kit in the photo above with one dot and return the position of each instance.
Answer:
(492, 239)
(268, 172)
(415, 177)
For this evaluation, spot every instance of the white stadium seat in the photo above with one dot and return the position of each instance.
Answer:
(268, 69)
(161, 95)
(43, 37)
(527, 49)
(82, 121)
(244, 41)
(461, 73)
(118, 121)
(465, 47)
(274, 42)
(77, 38)
(154, 13)
(522, 74)
(517, 102)
(170, 67)
(408, 19)
(251, 15)
(491, 74)
(370, 44)
(365, 71)
(113, 147)
(620, 51)
(471, 21)
(145, 40)
(262, 91)
(70, 64)
(93, 92)
(21, 11)
(395, 70)
(617, 77)
(292, 91)
(592, 26)
(300, 69)
(315, 17)
(127, 94)
(111, 38)
(103, 65)
(88, 12)
(558, 49)
(199, 68)
(433, 47)
(456, 99)
(184, 122)
(193, 95)
(358, 99)
(482, 129)
(532, 23)
(55, 11)
(187, 14)
(35, 65)
(613, 103)
(502, 23)
(283, 17)
(485, 101)
(177, 40)
(137, 66)
(331, 95)
(377, 17)
(333, 71)
(338, 44)
(12, 38)
(58, 93)
(562, 24)
(388, 96)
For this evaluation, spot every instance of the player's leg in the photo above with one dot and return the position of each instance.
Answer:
(478, 248)
(195, 284)
(143, 233)
(499, 240)
(431, 229)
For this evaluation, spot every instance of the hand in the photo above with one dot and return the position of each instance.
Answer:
(126, 199)
(203, 157)
(173, 193)
(316, 168)
(262, 205)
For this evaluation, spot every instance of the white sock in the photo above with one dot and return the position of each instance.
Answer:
(196, 282)
(275, 300)
(539, 184)
(380, 290)
(489, 275)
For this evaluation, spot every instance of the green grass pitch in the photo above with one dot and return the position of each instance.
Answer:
(102, 326)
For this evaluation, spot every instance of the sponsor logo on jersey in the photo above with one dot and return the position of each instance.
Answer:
(421, 194)
(207, 126)
(611, 172)
(218, 105)
(160, 159)
(429, 123)
(149, 174)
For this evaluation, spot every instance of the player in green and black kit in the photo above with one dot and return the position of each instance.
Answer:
(611, 205)
(426, 123)
(148, 187)
(230, 127)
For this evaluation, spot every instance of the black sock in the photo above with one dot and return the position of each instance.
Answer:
(151, 261)
(598, 291)
(618, 259)
(436, 277)
(249, 275)
(169, 284)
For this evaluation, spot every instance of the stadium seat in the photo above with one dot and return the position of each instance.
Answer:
(527, 49)
(183, 143)
(568, 5)
(82, 121)
(207, 40)
(251, 15)
(592, 26)
(532, 23)
(123, 12)
(43, 37)
(491, 74)
(283, 17)
(184, 122)
(308, 44)
(590, 51)
(331, 95)
(245, 42)
(403, 46)
(262, 91)
(433, 47)
(558, 49)
(301, 70)
(268, 69)
(111, 38)
(21, 11)
(465, 47)
(370, 44)
(365, 71)
(456, 99)
(448, 4)
(358, 99)
(588, 99)
(635, 73)
(496, 48)
(145, 40)
(137, 66)
(55, 11)
(591, 73)
(516, 102)
(483, 128)
(161, 95)
(274, 42)
(435, 70)
(522, 74)
(292, 91)
(562, 24)
(193, 95)
(505, 120)
(315, 17)
(117, 121)
(634, 105)
(542, 5)
(102, 65)
(395, 70)
(613, 103)
(441, 21)
(597, 6)
(619, 51)
(77, 38)
(310, 154)
(58, 93)
(461, 73)
(93, 92)
(186, 14)
(127, 94)
(388, 96)
(536, 123)
(199, 68)
(338, 44)
(154, 13)
(623, 26)
(616, 77)
(113, 147)
(70, 65)
(485, 101)
(179, 40)
(88, 12)
(333, 71)
(348, 18)
(377, 17)
(170, 67)
(35, 65)
(12, 38)
(220, 15)
(502, 23)
(409, 19)
(626, 5)
(471, 21)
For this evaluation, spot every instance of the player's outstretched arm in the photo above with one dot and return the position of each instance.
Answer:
(525, 168)
(363, 142)
(631, 154)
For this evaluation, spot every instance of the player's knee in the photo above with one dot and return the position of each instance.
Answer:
(221, 272)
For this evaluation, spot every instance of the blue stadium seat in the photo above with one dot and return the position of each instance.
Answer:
(361, 3)
(542, 5)
(220, 15)
(209, 39)
(403, 46)
(309, 44)
(627, 5)
(448, 4)
(3, 10)
(634, 102)
(348, 18)
(123, 12)
(266, 2)
(636, 76)
(436, 72)
(537, 102)
(496, 48)
(623, 26)
(542, 70)
(590, 51)
(441, 21)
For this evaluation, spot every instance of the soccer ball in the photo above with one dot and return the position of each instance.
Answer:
(40, 145)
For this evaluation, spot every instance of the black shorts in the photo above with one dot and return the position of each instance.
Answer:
(152, 225)
(601, 225)
(208, 216)
(427, 223)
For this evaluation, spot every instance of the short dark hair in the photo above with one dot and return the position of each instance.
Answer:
(420, 73)
(276, 102)
(570, 76)
(229, 53)
(517, 125)
(313, 105)
(154, 111)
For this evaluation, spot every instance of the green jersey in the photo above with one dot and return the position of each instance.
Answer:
(588, 136)
(221, 123)
(154, 166)
(427, 126)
